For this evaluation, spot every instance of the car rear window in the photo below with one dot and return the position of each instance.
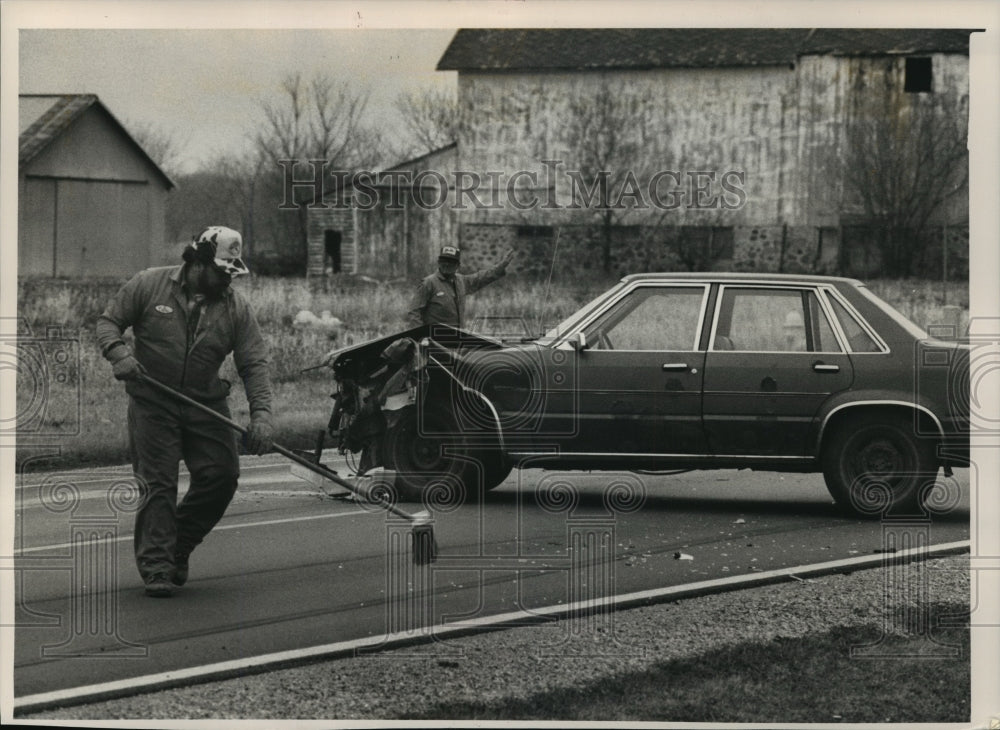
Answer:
(769, 319)
(857, 338)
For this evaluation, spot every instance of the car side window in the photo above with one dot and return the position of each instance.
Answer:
(857, 339)
(650, 318)
(773, 320)
(823, 339)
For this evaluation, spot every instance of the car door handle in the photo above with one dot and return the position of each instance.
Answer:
(675, 366)
(820, 367)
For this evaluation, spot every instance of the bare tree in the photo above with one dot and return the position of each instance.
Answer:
(319, 120)
(162, 145)
(240, 178)
(431, 118)
(220, 192)
(605, 134)
(902, 164)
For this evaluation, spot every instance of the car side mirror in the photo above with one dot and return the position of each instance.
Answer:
(578, 342)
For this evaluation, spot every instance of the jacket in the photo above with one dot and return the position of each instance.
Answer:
(154, 304)
(439, 301)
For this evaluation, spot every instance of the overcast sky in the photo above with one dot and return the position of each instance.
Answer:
(204, 86)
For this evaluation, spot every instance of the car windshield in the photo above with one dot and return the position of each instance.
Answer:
(567, 324)
(893, 313)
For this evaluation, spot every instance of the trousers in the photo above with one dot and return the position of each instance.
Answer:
(161, 434)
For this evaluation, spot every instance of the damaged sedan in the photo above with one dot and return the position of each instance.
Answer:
(670, 371)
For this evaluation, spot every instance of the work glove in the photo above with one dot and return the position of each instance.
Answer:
(124, 365)
(259, 435)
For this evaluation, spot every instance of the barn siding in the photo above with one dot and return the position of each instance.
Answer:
(112, 244)
(92, 201)
(92, 148)
(517, 120)
(36, 226)
(832, 91)
(782, 127)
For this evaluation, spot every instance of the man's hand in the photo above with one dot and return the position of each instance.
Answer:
(125, 366)
(259, 435)
(507, 258)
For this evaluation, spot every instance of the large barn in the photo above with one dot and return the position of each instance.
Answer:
(91, 202)
(770, 149)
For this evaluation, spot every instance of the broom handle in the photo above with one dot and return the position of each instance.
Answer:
(288, 453)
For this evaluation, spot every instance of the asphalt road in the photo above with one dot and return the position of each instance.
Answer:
(290, 567)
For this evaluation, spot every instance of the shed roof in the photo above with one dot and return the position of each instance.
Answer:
(43, 117)
(421, 158)
(645, 48)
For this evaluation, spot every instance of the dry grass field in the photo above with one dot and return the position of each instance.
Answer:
(71, 411)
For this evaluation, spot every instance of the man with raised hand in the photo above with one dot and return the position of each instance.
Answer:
(440, 298)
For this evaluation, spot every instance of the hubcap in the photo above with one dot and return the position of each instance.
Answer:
(426, 454)
(880, 457)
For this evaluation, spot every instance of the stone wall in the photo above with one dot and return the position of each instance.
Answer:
(570, 250)
(789, 249)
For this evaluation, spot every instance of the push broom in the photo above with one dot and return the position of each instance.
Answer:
(424, 546)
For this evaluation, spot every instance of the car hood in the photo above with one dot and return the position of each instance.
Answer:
(356, 359)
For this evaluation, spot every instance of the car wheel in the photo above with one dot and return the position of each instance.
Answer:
(426, 463)
(493, 467)
(876, 466)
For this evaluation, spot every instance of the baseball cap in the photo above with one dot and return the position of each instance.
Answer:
(449, 252)
(223, 246)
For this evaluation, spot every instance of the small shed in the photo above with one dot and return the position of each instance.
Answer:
(387, 225)
(91, 201)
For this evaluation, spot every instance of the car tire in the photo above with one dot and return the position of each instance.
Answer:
(493, 468)
(875, 466)
(425, 463)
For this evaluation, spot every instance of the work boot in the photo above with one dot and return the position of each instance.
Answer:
(159, 586)
(180, 569)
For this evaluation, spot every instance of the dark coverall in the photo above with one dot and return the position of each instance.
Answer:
(439, 301)
(183, 345)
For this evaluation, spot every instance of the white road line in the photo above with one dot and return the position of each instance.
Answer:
(237, 526)
(111, 475)
(237, 667)
(296, 487)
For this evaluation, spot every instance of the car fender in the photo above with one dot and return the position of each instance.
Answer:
(871, 399)
(496, 432)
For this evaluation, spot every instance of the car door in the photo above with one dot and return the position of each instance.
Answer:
(639, 378)
(773, 358)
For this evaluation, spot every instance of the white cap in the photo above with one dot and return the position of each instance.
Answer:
(226, 247)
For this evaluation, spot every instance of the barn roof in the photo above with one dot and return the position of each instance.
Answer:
(645, 48)
(43, 117)
(405, 164)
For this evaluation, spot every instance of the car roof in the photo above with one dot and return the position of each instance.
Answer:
(729, 276)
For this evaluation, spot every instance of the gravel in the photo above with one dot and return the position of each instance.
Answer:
(519, 662)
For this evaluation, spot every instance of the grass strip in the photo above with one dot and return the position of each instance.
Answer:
(902, 678)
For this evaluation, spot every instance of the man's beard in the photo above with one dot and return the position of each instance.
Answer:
(210, 283)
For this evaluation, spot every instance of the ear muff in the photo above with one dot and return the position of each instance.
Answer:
(202, 251)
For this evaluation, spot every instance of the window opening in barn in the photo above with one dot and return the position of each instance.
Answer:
(722, 244)
(919, 75)
(331, 251)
